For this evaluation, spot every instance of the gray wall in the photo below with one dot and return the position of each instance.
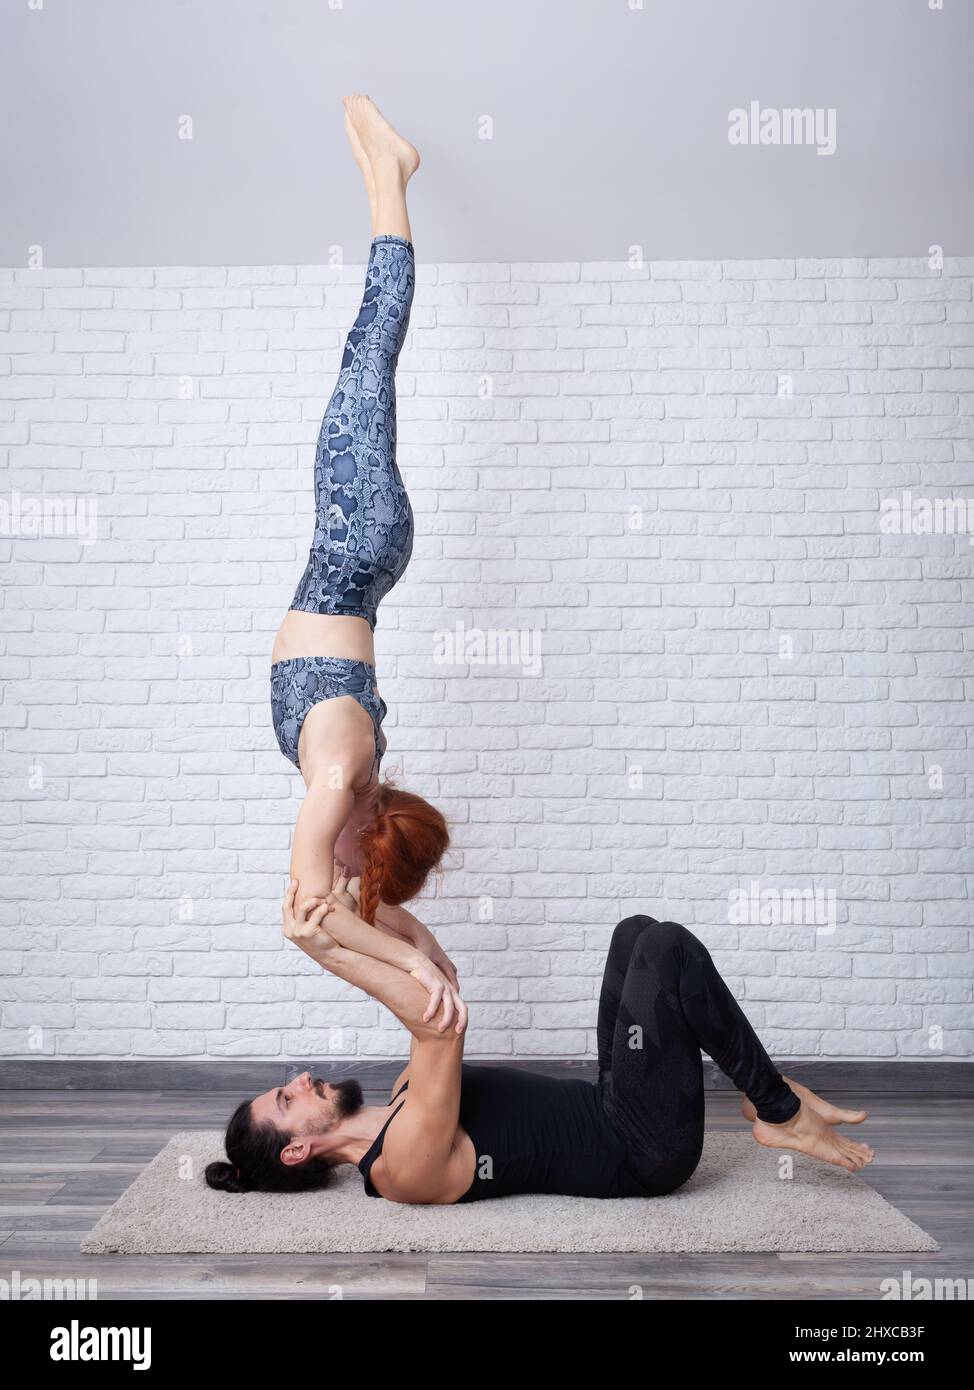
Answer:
(610, 128)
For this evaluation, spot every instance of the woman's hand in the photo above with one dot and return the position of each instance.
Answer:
(302, 922)
(441, 991)
(443, 962)
(345, 889)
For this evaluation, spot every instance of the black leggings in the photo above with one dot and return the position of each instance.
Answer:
(662, 1001)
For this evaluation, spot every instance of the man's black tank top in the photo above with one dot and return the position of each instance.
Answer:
(532, 1133)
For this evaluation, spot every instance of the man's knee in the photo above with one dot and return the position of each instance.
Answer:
(653, 939)
(664, 938)
(634, 924)
(670, 933)
(627, 935)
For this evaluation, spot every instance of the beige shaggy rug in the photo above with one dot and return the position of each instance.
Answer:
(735, 1201)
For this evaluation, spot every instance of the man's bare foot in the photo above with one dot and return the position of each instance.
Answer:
(808, 1133)
(380, 142)
(832, 1114)
(812, 1132)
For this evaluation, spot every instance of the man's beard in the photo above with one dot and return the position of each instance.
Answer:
(347, 1097)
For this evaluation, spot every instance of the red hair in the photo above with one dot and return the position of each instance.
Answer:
(402, 843)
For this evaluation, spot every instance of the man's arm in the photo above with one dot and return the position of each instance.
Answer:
(420, 1148)
(416, 1159)
(404, 1074)
(419, 1158)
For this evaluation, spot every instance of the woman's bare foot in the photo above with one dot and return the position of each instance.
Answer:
(832, 1114)
(362, 160)
(379, 141)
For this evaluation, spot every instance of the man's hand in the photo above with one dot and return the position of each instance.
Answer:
(302, 922)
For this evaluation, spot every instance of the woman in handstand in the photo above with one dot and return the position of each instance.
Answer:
(325, 702)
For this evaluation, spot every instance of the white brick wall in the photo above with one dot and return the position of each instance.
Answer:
(608, 455)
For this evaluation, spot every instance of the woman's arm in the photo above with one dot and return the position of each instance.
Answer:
(326, 807)
(324, 811)
(356, 937)
(337, 753)
(401, 921)
(349, 930)
(408, 995)
(398, 919)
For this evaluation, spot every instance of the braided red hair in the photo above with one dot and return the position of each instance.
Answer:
(401, 844)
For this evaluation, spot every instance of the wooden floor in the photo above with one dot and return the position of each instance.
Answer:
(66, 1156)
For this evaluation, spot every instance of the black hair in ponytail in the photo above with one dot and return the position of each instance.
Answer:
(255, 1163)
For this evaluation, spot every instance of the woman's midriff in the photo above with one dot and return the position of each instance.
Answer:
(322, 634)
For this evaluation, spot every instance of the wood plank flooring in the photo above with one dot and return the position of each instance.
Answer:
(66, 1156)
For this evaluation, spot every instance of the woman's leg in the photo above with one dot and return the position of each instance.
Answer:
(387, 161)
(363, 522)
(674, 1003)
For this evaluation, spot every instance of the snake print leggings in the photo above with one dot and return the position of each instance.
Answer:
(662, 1001)
(363, 535)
